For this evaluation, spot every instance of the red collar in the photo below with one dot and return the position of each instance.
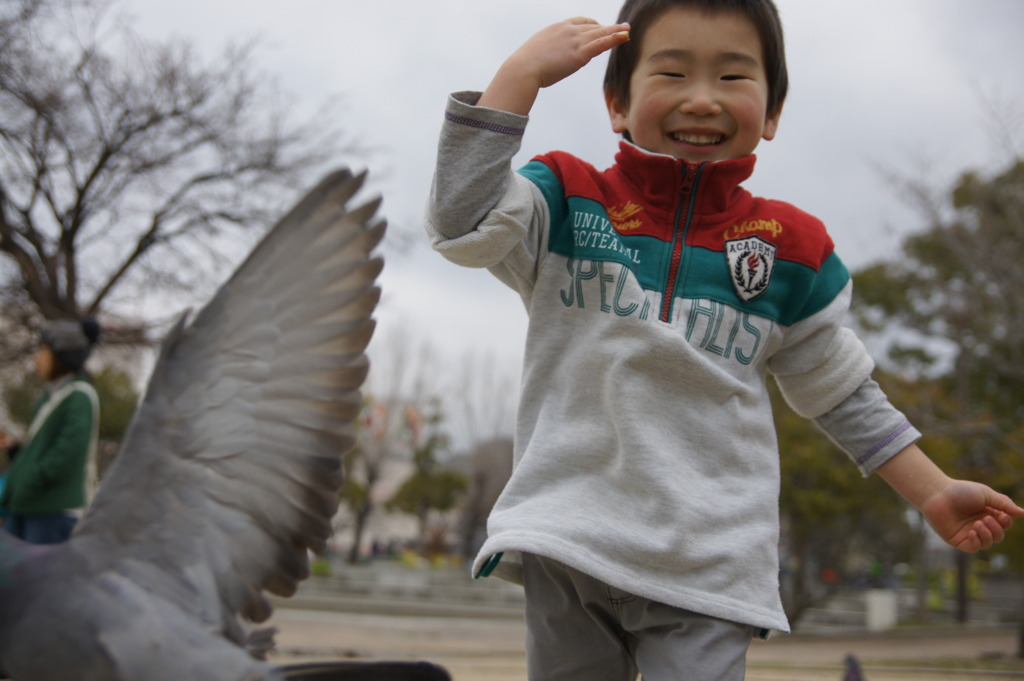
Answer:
(661, 179)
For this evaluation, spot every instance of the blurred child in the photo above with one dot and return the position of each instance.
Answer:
(46, 482)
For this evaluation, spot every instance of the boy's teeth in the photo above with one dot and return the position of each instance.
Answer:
(696, 138)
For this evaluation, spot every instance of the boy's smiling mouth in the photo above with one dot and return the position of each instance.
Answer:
(698, 138)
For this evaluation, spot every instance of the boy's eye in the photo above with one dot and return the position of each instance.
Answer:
(672, 74)
(734, 77)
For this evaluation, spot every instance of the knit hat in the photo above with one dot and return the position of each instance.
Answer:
(71, 342)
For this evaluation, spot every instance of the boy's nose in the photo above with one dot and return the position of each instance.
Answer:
(700, 100)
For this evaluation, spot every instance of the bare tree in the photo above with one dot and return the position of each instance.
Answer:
(124, 165)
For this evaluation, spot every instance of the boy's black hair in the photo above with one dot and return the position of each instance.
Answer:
(642, 13)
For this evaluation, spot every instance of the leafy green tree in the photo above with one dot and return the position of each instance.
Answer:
(21, 396)
(119, 399)
(363, 467)
(432, 487)
(956, 291)
(831, 515)
(952, 304)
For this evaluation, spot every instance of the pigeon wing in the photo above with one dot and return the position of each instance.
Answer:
(230, 471)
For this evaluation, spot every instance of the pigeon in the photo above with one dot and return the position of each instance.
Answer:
(851, 669)
(227, 477)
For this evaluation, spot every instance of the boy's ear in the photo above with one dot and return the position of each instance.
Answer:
(771, 125)
(616, 112)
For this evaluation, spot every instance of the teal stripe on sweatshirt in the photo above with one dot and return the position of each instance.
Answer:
(581, 229)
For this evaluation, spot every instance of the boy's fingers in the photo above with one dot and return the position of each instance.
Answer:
(969, 543)
(616, 28)
(1003, 503)
(991, 531)
(604, 44)
(608, 39)
(618, 31)
(985, 532)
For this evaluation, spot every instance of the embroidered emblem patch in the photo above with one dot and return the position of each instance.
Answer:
(751, 263)
(623, 217)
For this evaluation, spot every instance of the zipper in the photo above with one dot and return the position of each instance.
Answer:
(684, 215)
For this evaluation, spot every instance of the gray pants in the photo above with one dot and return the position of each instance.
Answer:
(580, 629)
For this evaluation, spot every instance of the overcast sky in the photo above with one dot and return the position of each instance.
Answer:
(906, 86)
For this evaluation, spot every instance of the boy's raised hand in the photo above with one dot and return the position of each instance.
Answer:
(551, 55)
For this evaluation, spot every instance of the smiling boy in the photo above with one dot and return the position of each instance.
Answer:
(642, 512)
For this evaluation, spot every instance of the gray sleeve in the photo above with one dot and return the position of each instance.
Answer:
(480, 213)
(868, 428)
(821, 362)
(473, 169)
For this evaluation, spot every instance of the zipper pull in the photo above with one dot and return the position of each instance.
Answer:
(687, 184)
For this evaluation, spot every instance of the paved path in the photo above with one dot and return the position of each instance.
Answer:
(492, 650)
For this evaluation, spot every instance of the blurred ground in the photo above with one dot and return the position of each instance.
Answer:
(491, 649)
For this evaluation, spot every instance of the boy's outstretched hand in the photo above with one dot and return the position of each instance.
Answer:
(970, 516)
(551, 55)
(967, 515)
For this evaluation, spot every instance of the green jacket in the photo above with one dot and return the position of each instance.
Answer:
(48, 475)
